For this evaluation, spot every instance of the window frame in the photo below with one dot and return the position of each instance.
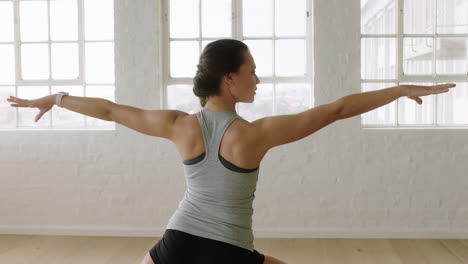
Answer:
(401, 78)
(80, 81)
(236, 27)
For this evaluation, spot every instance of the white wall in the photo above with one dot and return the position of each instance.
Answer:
(340, 182)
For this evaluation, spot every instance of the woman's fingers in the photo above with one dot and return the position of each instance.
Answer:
(439, 91)
(417, 99)
(18, 102)
(39, 116)
(443, 88)
(447, 85)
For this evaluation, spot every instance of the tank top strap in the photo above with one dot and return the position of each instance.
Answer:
(214, 125)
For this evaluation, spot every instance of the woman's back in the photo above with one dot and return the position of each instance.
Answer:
(218, 199)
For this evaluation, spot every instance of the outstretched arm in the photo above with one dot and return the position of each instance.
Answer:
(356, 104)
(158, 123)
(278, 130)
(94, 107)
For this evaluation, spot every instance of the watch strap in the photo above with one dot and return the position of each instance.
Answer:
(58, 99)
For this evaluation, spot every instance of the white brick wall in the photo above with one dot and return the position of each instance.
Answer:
(340, 182)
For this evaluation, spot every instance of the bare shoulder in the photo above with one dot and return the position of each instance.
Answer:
(246, 130)
(250, 137)
(184, 125)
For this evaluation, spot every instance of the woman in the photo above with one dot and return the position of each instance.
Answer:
(221, 151)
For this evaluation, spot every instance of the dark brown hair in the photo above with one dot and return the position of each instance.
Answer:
(217, 58)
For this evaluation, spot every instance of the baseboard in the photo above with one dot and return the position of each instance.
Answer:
(119, 231)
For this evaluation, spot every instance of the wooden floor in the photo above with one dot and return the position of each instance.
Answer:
(19, 249)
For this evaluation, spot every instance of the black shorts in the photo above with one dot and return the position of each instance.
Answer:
(177, 247)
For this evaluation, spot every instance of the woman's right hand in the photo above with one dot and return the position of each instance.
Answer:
(415, 91)
(44, 104)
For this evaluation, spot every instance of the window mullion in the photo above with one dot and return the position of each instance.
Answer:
(17, 53)
(81, 46)
(200, 35)
(444, 35)
(274, 57)
(310, 51)
(237, 15)
(164, 54)
(49, 46)
(430, 78)
(17, 42)
(49, 42)
(434, 59)
(81, 52)
(399, 53)
(236, 26)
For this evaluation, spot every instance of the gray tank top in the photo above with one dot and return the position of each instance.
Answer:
(217, 203)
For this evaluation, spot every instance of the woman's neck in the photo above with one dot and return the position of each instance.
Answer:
(218, 105)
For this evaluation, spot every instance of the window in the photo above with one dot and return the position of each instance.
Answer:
(49, 46)
(277, 33)
(416, 42)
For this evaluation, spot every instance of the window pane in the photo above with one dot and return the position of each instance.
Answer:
(384, 115)
(27, 115)
(64, 118)
(7, 113)
(216, 18)
(411, 113)
(378, 58)
(104, 92)
(100, 63)
(181, 97)
(452, 55)
(205, 42)
(35, 61)
(262, 51)
(378, 17)
(290, 17)
(290, 57)
(292, 98)
(418, 16)
(63, 20)
(255, 23)
(101, 91)
(99, 19)
(7, 64)
(65, 61)
(184, 18)
(6, 21)
(261, 107)
(184, 58)
(453, 106)
(33, 22)
(418, 56)
(452, 16)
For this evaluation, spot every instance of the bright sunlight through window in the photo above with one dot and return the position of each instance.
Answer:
(278, 36)
(416, 42)
(48, 46)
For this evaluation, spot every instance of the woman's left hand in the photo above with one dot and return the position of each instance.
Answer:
(415, 91)
(44, 104)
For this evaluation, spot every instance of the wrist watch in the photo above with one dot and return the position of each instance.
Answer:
(58, 98)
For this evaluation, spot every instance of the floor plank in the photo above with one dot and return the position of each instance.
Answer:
(19, 249)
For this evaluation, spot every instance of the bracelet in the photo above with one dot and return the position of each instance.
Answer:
(58, 98)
